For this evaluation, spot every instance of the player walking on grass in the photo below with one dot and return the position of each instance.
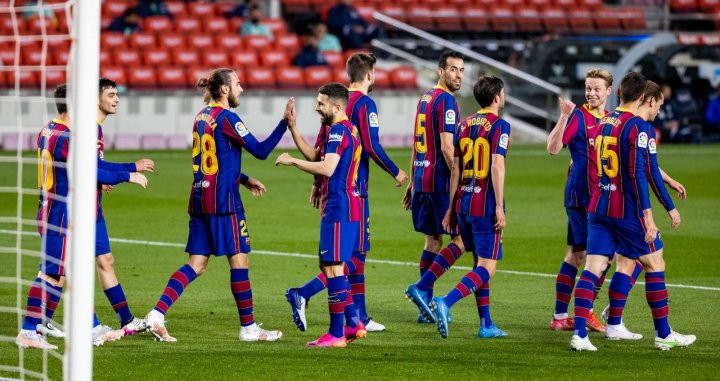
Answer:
(53, 148)
(340, 223)
(477, 207)
(217, 220)
(620, 219)
(362, 113)
(427, 194)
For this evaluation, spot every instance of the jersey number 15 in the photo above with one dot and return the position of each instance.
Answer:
(607, 159)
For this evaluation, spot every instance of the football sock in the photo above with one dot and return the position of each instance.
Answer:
(357, 284)
(351, 314)
(337, 297)
(178, 281)
(426, 259)
(584, 298)
(442, 263)
(54, 294)
(600, 281)
(117, 299)
(636, 272)
(242, 292)
(37, 296)
(312, 287)
(469, 283)
(564, 285)
(657, 298)
(482, 299)
(620, 286)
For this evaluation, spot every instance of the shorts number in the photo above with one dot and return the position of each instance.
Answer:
(607, 159)
(420, 134)
(45, 173)
(479, 153)
(207, 150)
(243, 228)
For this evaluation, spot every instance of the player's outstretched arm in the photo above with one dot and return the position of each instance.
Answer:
(555, 139)
(112, 178)
(309, 152)
(116, 167)
(144, 165)
(370, 128)
(497, 170)
(323, 168)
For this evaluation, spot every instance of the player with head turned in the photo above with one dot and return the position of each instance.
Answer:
(363, 114)
(53, 147)
(217, 217)
(427, 194)
(620, 219)
(340, 222)
(477, 208)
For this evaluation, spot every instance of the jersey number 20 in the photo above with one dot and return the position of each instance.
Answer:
(207, 150)
(479, 153)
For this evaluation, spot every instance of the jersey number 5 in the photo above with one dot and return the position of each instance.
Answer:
(607, 159)
(479, 153)
(420, 134)
(207, 150)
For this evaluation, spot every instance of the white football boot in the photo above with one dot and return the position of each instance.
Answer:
(673, 340)
(620, 332)
(255, 333)
(373, 326)
(102, 334)
(155, 322)
(578, 343)
(50, 330)
(31, 339)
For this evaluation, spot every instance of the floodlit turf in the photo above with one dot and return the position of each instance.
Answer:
(205, 319)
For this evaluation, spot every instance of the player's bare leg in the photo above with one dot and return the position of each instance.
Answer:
(240, 286)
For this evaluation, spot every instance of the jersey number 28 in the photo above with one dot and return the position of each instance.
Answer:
(205, 147)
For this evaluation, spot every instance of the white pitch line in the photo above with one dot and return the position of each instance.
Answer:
(380, 261)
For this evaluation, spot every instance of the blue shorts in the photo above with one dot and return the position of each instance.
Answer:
(53, 260)
(102, 241)
(577, 230)
(364, 241)
(219, 234)
(338, 240)
(428, 211)
(625, 236)
(480, 237)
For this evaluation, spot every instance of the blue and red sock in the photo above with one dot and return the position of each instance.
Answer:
(351, 314)
(469, 283)
(584, 298)
(482, 300)
(96, 320)
(178, 281)
(426, 259)
(357, 284)
(564, 285)
(636, 271)
(315, 285)
(442, 263)
(37, 296)
(619, 289)
(337, 299)
(657, 298)
(601, 280)
(117, 299)
(242, 292)
(53, 300)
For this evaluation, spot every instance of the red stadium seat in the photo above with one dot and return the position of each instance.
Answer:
(341, 76)
(200, 41)
(60, 57)
(242, 58)
(156, 57)
(59, 43)
(316, 76)
(156, 24)
(215, 25)
(395, 11)
(382, 79)
(185, 57)
(608, 19)
(447, 18)
(196, 72)
(365, 10)
(296, 6)
(235, 24)
(177, 8)
(126, 57)
(528, 20)
(112, 40)
(591, 4)
(420, 16)
(260, 77)
(274, 57)
(27, 78)
(257, 42)
(7, 55)
(710, 6)
(581, 21)
(35, 25)
(33, 57)
(172, 77)
(277, 26)
(502, 19)
(335, 59)
(542, 5)
(289, 77)
(104, 22)
(476, 18)
(142, 77)
(106, 58)
(632, 19)
(516, 4)
(569, 5)
(288, 42)
(171, 40)
(349, 53)
(215, 58)
(200, 9)
(684, 6)
(55, 77)
(230, 41)
(116, 73)
(555, 20)
(114, 8)
(142, 40)
(187, 25)
(403, 77)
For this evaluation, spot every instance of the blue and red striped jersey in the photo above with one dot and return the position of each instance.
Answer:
(343, 198)
(363, 114)
(437, 112)
(621, 152)
(479, 137)
(653, 171)
(219, 135)
(579, 137)
(106, 167)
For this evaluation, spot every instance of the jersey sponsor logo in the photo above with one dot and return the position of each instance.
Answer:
(241, 129)
(374, 120)
(450, 117)
(470, 189)
(652, 147)
(592, 142)
(504, 140)
(335, 138)
(608, 187)
(421, 163)
(642, 140)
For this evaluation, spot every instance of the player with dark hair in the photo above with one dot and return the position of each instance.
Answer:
(217, 217)
(340, 224)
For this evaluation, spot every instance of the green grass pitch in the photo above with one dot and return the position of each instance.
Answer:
(205, 319)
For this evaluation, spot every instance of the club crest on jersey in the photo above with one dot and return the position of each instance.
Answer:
(642, 141)
(504, 140)
(374, 120)
(651, 146)
(449, 116)
(241, 129)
